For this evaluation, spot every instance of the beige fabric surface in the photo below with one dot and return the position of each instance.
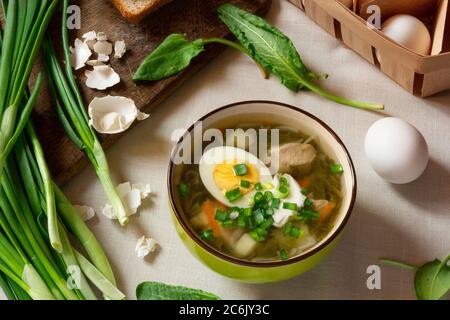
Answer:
(410, 222)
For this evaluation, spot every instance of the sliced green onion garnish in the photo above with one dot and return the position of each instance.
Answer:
(308, 203)
(221, 215)
(283, 182)
(240, 170)
(241, 222)
(259, 218)
(258, 197)
(295, 232)
(283, 254)
(287, 228)
(228, 223)
(245, 184)
(305, 191)
(259, 187)
(267, 224)
(290, 206)
(283, 192)
(183, 189)
(233, 195)
(336, 168)
(207, 235)
(275, 203)
(308, 214)
(247, 212)
(269, 212)
(268, 195)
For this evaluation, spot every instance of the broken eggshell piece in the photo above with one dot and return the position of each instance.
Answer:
(113, 114)
(101, 78)
(145, 246)
(80, 54)
(131, 196)
(119, 49)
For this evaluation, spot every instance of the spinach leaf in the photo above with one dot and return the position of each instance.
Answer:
(161, 291)
(432, 280)
(267, 45)
(173, 56)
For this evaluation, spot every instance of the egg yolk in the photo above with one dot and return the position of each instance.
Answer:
(225, 178)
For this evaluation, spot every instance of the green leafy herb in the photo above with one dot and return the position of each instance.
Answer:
(173, 55)
(160, 291)
(432, 280)
(272, 51)
(275, 52)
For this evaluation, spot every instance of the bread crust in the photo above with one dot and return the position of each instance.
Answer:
(137, 16)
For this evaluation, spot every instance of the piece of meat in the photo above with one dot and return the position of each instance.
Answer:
(293, 158)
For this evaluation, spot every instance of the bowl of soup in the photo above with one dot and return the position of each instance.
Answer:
(260, 191)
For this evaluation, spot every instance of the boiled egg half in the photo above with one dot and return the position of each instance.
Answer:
(231, 174)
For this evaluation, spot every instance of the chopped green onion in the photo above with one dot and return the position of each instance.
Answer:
(228, 223)
(183, 189)
(283, 192)
(290, 206)
(251, 202)
(221, 215)
(245, 184)
(284, 182)
(295, 232)
(308, 215)
(269, 212)
(256, 236)
(283, 255)
(337, 168)
(308, 203)
(305, 191)
(258, 187)
(276, 203)
(233, 195)
(267, 224)
(207, 235)
(258, 197)
(259, 218)
(247, 212)
(287, 228)
(240, 170)
(242, 222)
(268, 195)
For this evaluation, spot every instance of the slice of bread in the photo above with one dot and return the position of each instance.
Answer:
(136, 10)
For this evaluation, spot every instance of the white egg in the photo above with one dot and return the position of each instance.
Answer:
(281, 216)
(220, 155)
(408, 31)
(396, 150)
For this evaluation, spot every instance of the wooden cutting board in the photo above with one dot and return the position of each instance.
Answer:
(195, 18)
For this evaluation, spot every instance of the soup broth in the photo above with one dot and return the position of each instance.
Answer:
(276, 219)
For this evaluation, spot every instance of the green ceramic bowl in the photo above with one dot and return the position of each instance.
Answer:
(263, 272)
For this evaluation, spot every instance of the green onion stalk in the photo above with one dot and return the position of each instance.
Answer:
(24, 29)
(29, 265)
(72, 113)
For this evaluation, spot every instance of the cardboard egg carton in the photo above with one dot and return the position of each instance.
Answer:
(418, 74)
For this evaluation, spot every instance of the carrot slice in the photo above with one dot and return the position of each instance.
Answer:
(209, 208)
(305, 182)
(326, 211)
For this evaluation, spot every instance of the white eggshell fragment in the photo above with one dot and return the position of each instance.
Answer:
(85, 212)
(119, 49)
(408, 31)
(89, 36)
(103, 57)
(396, 150)
(80, 54)
(113, 114)
(101, 78)
(131, 196)
(94, 63)
(145, 246)
(103, 47)
(101, 36)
